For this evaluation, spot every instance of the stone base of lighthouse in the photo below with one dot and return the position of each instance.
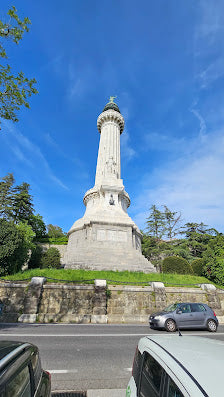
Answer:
(103, 246)
(106, 238)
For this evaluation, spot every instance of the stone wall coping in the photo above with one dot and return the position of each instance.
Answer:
(14, 285)
(130, 288)
(66, 286)
(37, 281)
(184, 290)
(157, 285)
(208, 287)
(100, 283)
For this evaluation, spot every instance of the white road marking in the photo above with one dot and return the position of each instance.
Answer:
(62, 371)
(110, 335)
(71, 335)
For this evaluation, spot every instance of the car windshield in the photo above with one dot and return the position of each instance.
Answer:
(171, 308)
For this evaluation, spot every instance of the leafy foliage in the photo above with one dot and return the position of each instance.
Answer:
(175, 264)
(54, 231)
(22, 206)
(163, 223)
(15, 243)
(14, 89)
(213, 258)
(155, 223)
(172, 221)
(38, 225)
(35, 257)
(51, 258)
(6, 194)
(197, 266)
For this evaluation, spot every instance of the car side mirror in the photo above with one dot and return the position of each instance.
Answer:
(179, 311)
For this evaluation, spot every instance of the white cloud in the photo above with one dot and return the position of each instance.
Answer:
(202, 123)
(126, 150)
(209, 43)
(27, 152)
(193, 185)
(162, 142)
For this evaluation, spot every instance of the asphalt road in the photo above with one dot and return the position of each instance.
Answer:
(82, 357)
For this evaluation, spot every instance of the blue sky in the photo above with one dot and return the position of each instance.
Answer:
(164, 61)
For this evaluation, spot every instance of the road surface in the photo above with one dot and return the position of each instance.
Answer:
(82, 357)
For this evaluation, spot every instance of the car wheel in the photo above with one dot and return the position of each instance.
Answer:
(211, 326)
(170, 325)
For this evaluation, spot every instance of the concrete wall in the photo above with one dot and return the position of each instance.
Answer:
(38, 301)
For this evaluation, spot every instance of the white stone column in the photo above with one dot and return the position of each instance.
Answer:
(110, 124)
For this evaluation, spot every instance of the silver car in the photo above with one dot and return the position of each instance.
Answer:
(177, 366)
(185, 315)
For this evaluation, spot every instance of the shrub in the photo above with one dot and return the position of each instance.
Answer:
(197, 266)
(176, 264)
(36, 257)
(51, 258)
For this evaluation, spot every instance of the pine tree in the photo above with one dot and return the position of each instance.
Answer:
(6, 196)
(155, 223)
(172, 220)
(22, 203)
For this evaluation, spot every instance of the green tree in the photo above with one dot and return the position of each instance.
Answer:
(27, 234)
(22, 203)
(6, 194)
(35, 260)
(54, 231)
(15, 244)
(213, 258)
(172, 221)
(155, 223)
(38, 225)
(14, 89)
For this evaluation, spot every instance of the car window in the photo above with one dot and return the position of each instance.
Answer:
(171, 308)
(36, 364)
(186, 308)
(173, 390)
(136, 366)
(19, 385)
(202, 307)
(196, 307)
(151, 378)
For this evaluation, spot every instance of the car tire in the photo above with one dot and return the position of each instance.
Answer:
(170, 325)
(211, 326)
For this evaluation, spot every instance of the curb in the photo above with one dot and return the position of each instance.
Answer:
(91, 393)
(106, 393)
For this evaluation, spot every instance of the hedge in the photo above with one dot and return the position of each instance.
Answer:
(176, 264)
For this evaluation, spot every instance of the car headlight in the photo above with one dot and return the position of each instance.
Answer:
(157, 318)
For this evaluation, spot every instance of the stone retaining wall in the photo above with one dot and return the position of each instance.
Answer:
(38, 301)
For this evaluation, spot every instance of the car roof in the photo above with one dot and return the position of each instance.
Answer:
(9, 350)
(7, 347)
(196, 361)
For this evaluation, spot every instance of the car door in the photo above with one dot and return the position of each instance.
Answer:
(183, 316)
(199, 314)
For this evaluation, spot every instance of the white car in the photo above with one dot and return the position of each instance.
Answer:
(177, 366)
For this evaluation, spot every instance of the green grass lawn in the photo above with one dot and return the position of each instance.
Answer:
(88, 276)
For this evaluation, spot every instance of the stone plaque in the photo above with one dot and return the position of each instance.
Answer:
(112, 235)
(101, 235)
(122, 236)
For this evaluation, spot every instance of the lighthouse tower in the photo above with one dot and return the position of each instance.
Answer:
(106, 238)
